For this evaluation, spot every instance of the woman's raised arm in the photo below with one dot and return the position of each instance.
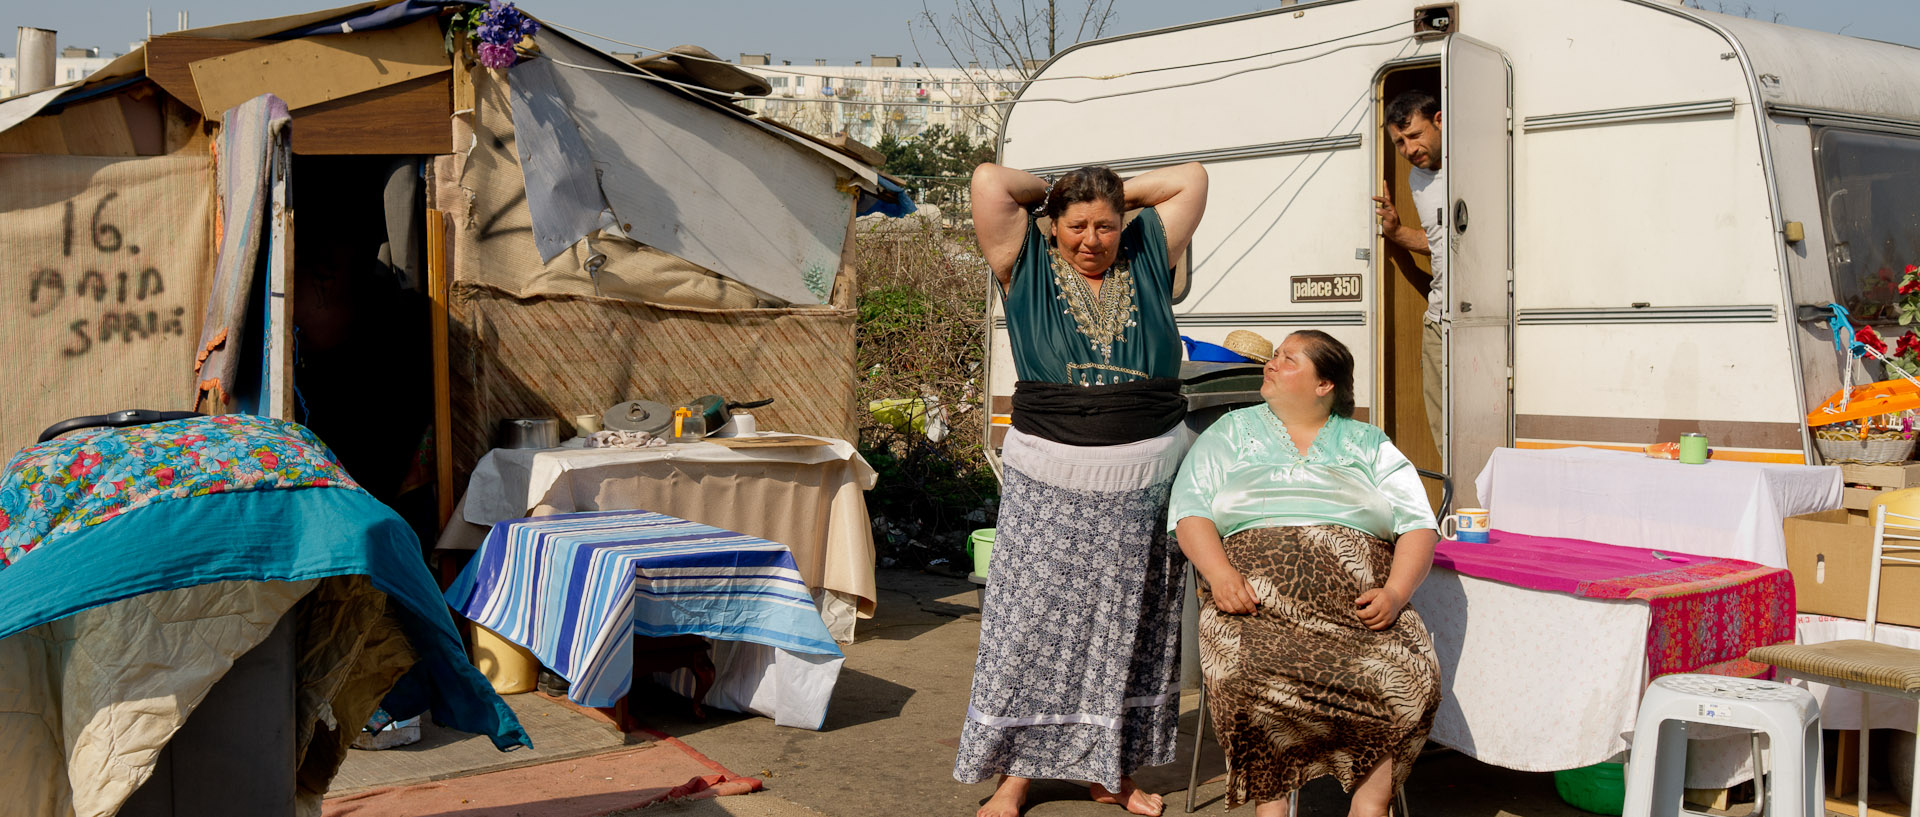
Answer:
(1179, 194)
(1001, 196)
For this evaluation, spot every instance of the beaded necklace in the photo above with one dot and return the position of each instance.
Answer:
(1102, 319)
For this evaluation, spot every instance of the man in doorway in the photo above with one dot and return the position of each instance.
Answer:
(1413, 123)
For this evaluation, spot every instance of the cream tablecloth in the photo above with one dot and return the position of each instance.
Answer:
(1721, 508)
(807, 498)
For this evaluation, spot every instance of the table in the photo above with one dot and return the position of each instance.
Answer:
(807, 498)
(574, 589)
(1542, 678)
(1722, 508)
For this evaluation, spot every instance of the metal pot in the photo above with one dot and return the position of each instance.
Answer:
(530, 432)
(639, 415)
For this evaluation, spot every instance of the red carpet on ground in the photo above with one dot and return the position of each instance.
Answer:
(582, 787)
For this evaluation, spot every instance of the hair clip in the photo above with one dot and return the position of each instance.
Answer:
(1040, 207)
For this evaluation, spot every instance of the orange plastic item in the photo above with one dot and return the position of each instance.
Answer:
(1870, 400)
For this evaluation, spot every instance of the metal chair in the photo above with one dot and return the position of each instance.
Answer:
(1868, 666)
(1200, 724)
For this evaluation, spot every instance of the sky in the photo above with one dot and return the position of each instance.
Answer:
(839, 31)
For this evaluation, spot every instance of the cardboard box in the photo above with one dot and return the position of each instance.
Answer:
(1865, 483)
(1830, 554)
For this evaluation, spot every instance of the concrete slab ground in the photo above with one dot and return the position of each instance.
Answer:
(888, 745)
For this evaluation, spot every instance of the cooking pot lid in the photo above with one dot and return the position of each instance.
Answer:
(639, 415)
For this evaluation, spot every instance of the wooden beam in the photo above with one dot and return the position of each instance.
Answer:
(310, 70)
(438, 292)
(411, 117)
(169, 58)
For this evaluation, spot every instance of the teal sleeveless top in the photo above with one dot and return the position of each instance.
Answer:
(1061, 333)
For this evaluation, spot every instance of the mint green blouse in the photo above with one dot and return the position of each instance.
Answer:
(1244, 473)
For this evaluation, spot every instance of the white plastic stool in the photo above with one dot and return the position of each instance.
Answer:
(1787, 715)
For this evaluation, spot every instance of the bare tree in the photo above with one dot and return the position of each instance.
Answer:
(1016, 36)
(1743, 9)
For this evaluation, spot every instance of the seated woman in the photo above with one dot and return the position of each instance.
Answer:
(1312, 662)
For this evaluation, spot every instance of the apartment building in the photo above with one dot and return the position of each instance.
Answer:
(73, 64)
(871, 98)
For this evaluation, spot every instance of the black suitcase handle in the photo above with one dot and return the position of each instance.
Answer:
(118, 419)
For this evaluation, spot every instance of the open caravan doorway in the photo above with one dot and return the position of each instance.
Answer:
(1402, 292)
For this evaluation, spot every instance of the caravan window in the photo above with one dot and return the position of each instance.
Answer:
(1870, 193)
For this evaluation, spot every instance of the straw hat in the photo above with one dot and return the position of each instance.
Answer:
(1249, 345)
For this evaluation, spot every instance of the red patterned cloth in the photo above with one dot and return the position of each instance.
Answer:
(1706, 612)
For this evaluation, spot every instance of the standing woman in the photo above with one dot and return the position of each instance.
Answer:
(1079, 635)
(1313, 663)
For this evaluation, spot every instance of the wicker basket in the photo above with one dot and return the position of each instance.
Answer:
(1871, 451)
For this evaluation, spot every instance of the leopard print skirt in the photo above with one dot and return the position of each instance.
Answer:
(1301, 689)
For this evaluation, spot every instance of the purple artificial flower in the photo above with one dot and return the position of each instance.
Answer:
(502, 24)
(495, 55)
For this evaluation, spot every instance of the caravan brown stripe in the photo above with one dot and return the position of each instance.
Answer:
(1639, 431)
(1004, 405)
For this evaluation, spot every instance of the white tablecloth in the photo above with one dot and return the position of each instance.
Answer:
(1728, 509)
(507, 483)
(1541, 681)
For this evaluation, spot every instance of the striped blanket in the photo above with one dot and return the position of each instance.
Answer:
(575, 588)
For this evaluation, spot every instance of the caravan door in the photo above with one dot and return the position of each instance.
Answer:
(1476, 104)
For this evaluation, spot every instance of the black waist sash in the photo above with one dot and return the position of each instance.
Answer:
(1098, 415)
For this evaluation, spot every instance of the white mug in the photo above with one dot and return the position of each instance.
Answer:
(1467, 525)
(741, 425)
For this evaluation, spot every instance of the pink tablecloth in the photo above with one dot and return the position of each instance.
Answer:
(1706, 612)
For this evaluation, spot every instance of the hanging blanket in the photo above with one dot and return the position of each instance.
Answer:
(1706, 612)
(248, 133)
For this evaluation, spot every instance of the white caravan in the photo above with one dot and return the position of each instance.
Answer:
(1647, 204)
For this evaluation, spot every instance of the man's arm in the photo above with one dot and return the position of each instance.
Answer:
(1412, 238)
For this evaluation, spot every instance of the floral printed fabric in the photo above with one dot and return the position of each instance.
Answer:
(1077, 676)
(1707, 614)
(91, 476)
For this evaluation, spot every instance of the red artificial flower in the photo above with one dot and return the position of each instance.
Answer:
(1866, 335)
(1912, 268)
(1910, 285)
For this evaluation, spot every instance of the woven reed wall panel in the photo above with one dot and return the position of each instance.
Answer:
(568, 355)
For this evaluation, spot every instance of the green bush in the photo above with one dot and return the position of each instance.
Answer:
(922, 310)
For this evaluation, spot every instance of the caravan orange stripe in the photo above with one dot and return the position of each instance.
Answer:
(1789, 457)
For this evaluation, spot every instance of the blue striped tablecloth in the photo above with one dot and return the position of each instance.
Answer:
(575, 588)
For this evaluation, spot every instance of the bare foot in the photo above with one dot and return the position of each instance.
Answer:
(1135, 800)
(1007, 799)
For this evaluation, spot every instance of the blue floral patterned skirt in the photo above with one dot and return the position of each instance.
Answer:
(1078, 672)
